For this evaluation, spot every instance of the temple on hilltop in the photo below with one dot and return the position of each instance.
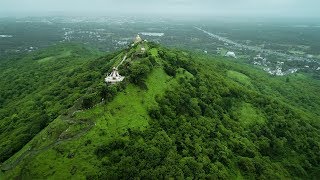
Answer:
(137, 39)
(114, 77)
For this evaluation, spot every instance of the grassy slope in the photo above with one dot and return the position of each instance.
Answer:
(249, 115)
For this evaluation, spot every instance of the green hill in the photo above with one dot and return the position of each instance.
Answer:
(176, 115)
(37, 87)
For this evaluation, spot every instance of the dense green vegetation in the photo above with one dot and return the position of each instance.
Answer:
(37, 88)
(178, 115)
(210, 127)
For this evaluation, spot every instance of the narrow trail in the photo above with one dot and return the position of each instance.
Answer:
(67, 118)
(124, 58)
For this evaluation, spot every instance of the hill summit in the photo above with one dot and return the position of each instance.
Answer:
(176, 114)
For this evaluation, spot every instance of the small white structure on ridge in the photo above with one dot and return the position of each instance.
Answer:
(143, 50)
(114, 77)
(230, 54)
(137, 39)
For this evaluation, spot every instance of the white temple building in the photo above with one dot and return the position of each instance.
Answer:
(114, 77)
(137, 39)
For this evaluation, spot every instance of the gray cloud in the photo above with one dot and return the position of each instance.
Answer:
(287, 8)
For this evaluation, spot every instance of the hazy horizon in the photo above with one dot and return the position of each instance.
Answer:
(204, 8)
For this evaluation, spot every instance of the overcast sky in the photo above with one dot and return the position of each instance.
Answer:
(273, 8)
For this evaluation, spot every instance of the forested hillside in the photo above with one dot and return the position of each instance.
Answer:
(37, 88)
(177, 114)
